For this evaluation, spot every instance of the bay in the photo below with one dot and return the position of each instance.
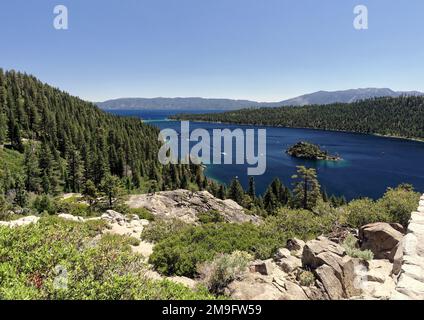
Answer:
(370, 163)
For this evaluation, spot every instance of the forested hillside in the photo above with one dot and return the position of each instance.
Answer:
(66, 142)
(400, 117)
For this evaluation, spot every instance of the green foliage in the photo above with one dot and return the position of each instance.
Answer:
(223, 269)
(75, 208)
(162, 229)
(43, 204)
(399, 203)
(350, 244)
(299, 223)
(363, 211)
(212, 216)
(68, 141)
(236, 192)
(306, 278)
(307, 189)
(58, 259)
(180, 253)
(400, 117)
(142, 213)
(395, 206)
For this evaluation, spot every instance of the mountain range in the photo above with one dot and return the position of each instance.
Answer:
(196, 103)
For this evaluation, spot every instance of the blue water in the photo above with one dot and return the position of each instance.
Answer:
(370, 163)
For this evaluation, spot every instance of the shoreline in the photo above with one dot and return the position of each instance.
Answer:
(319, 129)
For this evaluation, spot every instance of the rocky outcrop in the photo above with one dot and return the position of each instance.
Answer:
(186, 205)
(381, 238)
(131, 226)
(409, 261)
(269, 283)
(20, 222)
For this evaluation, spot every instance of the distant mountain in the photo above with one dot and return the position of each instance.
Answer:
(175, 104)
(320, 97)
(346, 96)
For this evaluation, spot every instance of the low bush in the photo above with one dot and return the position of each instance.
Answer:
(306, 278)
(162, 229)
(180, 253)
(352, 250)
(363, 211)
(59, 259)
(225, 268)
(303, 224)
(142, 213)
(212, 216)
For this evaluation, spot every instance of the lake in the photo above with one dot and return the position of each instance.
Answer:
(370, 163)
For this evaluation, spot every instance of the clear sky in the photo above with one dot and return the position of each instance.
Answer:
(265, 50)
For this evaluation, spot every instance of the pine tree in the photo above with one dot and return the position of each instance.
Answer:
(31, 169)
(111, 188)
(252, 188)
(21, 196)
(236, 191)
(307, 189)
(74, 169)
(270, 201)
(222, 192)
(90, 192)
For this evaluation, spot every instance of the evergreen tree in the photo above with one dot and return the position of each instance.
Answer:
(74, 169)
(90, 192)
(111, 188)
(252, 188)
(307, 189)
(222, 192)
(31, 169)
(236, 191)
(270, 201)
(21, 196)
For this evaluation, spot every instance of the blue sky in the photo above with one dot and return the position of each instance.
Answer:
(265, 50)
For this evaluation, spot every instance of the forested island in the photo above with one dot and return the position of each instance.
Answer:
(401, 117)
(306, 150)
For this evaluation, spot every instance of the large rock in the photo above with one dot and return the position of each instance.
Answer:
(286, 261)
(410, 284)
(186, 205)
(255, 286)
(20, 222)
(381, 238)
(331, 282)
(296, 247)
(323, 252)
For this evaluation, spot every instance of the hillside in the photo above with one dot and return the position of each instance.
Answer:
(399, 117)
(320, 97)
(66, 141)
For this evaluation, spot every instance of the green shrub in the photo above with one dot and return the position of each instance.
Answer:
(74, 208)
(33, 258)
(364, 211)
(302, 224)
(162, 229)
(142, 213)
(212, 216)
(181, 252)
(217, 274)
(4, 208)
(350, 245)
(43, 204)
(399, 203)
(306, 278)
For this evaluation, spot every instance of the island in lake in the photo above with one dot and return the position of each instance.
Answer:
(306, 150)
